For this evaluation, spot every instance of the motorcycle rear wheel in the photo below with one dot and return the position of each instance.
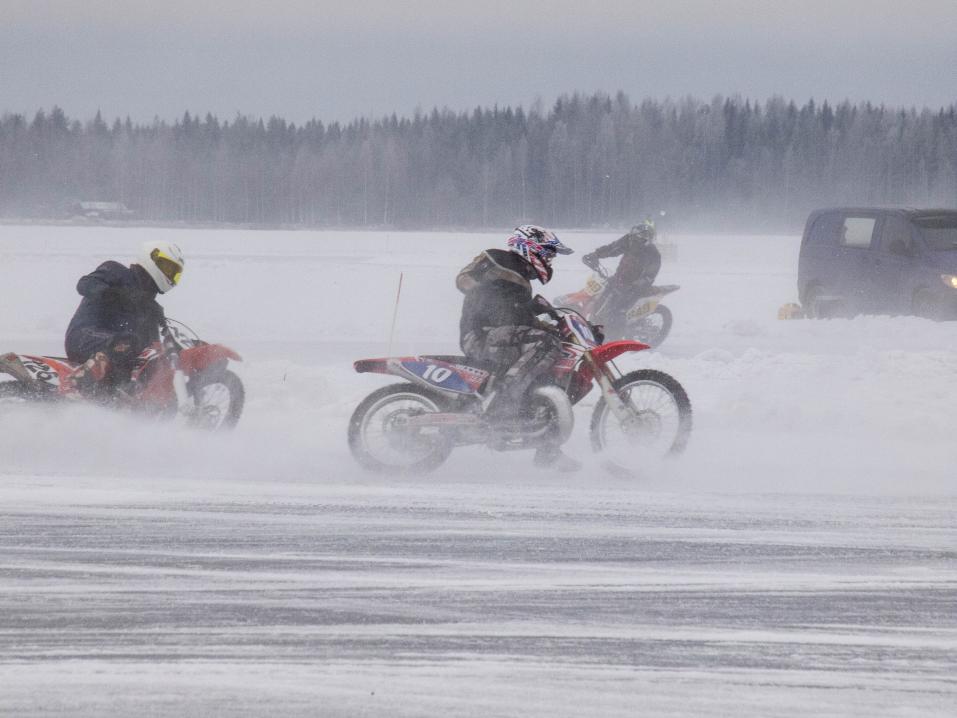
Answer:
(652, 329)
(662, 425)
(378, 440)
(13, 392)
(219, 398)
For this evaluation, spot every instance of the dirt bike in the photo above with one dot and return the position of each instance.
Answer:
(413, 426)
(647, 321)
(178, 375)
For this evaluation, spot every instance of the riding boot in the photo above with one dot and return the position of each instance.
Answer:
(554, 459)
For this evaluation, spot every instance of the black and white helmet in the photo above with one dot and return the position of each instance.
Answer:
(645, 232)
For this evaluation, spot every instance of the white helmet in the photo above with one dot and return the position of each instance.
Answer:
(164, 262)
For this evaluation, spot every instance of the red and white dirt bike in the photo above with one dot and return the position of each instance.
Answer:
(180, 375)
(413, 426)
(647, 320)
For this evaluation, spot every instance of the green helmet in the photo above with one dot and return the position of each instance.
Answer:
(644, 232)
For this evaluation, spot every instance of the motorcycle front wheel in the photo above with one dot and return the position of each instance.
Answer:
(659, 425)
(652, 329)
(219, 398)
(381, 440)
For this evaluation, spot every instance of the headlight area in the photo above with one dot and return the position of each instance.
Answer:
(950, 280)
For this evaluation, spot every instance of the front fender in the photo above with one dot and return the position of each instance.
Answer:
(607, 352)
(196, 359)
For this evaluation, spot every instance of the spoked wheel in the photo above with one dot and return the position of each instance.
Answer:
(218, 399)
(659, 425)
(381, 439)
(652, 329)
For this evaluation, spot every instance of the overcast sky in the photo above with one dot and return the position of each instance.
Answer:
(337, 60)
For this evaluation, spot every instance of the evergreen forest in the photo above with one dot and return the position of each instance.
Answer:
(587, 161)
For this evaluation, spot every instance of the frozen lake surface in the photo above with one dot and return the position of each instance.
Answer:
(799, 559)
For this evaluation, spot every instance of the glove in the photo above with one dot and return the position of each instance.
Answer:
(599, 331)
(552, 329)
(540, 305)
(590, 261)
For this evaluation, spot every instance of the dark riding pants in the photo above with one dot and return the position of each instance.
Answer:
(520, 356)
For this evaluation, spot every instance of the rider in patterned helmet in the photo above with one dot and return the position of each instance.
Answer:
(500, 328)
(538, 246)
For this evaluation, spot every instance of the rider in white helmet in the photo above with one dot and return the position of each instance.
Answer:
(119, 316)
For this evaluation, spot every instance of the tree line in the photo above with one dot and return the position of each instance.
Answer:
(587, 161)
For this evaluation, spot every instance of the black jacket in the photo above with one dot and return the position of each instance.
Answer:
(118, 299)
(640, 261)
(498, 292)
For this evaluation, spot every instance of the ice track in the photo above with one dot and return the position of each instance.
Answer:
(450, 598)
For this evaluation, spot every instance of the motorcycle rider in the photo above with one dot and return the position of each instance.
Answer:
(118, 317)
(637, 269)
(500, 324)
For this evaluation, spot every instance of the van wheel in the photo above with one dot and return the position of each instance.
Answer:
(926, 305)
(816, 308)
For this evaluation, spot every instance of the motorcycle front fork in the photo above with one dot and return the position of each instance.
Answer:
(605, 379)
(184, 402)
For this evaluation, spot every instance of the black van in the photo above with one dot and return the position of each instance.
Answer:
(881, 261)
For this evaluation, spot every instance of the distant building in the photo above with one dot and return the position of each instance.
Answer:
(101, 210)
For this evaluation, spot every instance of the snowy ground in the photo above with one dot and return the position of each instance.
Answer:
(799, 559)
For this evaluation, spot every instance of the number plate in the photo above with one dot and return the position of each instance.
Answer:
(44, 370)
(449, 377)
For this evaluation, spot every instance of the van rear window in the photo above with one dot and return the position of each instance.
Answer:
(857, 231)
(940, 233)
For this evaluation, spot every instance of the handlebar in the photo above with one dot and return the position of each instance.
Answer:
(597, 268)
(166, 336)
(179, 336)
(557, 313)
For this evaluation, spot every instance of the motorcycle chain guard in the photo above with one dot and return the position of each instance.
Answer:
(515, 434)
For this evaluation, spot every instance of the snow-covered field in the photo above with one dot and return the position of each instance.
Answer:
(799, 559)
